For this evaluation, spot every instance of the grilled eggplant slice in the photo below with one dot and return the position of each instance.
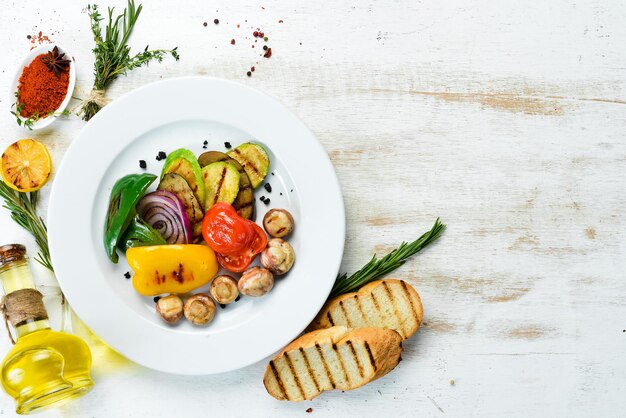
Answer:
(176, 184)
(244, 202)
(254, 160)
(221, 181)
(183, 162)
(211, 157)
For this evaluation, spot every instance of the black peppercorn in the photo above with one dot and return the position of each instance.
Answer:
(216, 21)
(249, 73)
(156, 299)
(227, 145)
(127, 275)
(142, 164)
(268, 187)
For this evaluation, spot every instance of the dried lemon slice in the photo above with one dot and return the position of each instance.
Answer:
(26, 165)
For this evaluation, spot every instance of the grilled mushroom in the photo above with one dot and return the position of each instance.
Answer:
(224, 289)
(278, 223)
(256, 281)
(199, 309)
(170, 308)
(278, 257)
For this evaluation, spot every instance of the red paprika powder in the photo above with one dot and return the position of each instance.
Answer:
(40, 90)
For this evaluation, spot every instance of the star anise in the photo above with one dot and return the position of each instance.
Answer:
(55, 61)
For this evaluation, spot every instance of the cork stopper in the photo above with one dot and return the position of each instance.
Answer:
(10, 253)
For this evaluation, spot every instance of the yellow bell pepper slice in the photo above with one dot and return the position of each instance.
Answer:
(171, 268)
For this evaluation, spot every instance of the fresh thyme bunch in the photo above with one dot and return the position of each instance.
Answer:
(377, 268)
(112, 53)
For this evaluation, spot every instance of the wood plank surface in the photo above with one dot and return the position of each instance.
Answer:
(506, 119)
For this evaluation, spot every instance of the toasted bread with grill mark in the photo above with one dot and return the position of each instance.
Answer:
(387, 303)
(333, 358)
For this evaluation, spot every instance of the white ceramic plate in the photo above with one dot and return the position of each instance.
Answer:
(32, 54)
(184, 113)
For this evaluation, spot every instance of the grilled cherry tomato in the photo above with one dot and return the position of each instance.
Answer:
(235, 263)
(259, 242)
(240, 261)
(236, 240)
(225, 231)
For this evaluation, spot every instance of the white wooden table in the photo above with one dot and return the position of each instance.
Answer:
(507, 119)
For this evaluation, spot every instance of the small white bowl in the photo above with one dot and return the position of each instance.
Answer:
(42, 49)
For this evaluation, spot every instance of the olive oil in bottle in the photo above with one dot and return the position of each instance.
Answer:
(44, 367)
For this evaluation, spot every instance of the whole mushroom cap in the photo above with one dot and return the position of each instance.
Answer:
(278, 222)
(199, 309)
(278, 257)
(256, 281)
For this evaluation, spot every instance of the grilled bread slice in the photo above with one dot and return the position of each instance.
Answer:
(333, 358)
(387, 303)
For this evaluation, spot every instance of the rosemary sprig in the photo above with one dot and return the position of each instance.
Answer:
(23, 211)
(377, 268)
(112, 53)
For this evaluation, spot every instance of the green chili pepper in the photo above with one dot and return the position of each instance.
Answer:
(125, 194)
(139, 234)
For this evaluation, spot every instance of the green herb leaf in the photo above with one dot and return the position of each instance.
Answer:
(112, 53)
(377, 268)
(23, 211)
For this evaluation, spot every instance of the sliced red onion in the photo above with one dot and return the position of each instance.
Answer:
(165, 212)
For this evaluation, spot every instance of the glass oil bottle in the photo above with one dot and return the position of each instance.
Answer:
(44, 367)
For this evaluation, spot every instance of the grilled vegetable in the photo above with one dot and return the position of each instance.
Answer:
(183, 162)
(256, 281)
(176, 184)
(254, 160)
(199, 309)
(221, 181)
(237, 240)
(211, 157)
(139, 234)
(224, 289)
(278, 222)
(244, 202)
(278, 257)
(170, 308)
(164, 212)
(124, 196)
(171, 268)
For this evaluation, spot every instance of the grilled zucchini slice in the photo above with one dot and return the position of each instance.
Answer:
(221, 182)
(254, 160)
(244, 202)
(183, 162)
